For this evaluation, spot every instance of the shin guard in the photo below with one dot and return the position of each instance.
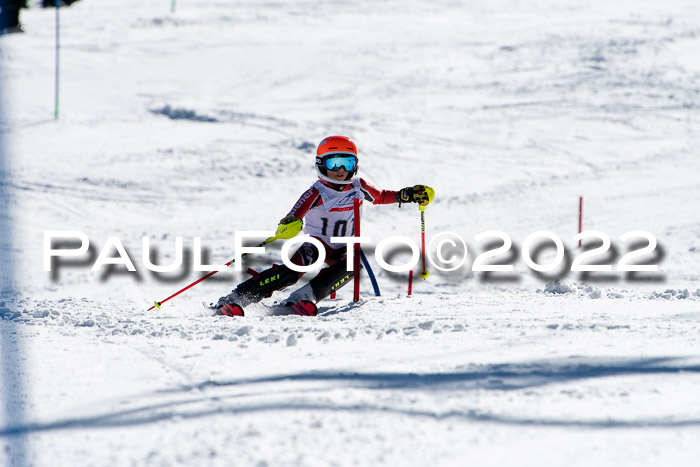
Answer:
(331, 279)
(265, 283)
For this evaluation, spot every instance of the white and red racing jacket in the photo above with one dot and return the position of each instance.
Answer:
(329, 213)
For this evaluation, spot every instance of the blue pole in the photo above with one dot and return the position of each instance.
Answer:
(55, 111)
(370, 273)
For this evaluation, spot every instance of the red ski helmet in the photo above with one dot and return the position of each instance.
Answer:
(331, 147)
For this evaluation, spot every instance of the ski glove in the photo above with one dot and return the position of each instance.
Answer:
(289, 227)
(415, 194)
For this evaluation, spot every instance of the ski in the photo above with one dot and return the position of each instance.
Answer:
(302, 308)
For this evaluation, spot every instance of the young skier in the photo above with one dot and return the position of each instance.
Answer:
(328, 209)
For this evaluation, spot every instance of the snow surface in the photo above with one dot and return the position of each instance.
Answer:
(203, 122)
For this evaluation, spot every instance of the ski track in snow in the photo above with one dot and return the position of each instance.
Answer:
(204, 122)
(483, 363)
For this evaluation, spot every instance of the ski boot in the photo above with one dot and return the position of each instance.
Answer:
(305, 308)
(302, 301)
(303, 293)
(229, 305)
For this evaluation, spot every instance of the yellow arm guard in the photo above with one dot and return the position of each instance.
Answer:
(289, 227)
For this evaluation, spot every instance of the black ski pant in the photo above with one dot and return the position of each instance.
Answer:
(328, 280)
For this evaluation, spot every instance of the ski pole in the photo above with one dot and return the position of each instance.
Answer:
(424, 274)
(158, 304)
(431, 194)
(285, 230)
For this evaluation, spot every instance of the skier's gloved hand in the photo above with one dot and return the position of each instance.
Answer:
(415, 194)
(289, 227)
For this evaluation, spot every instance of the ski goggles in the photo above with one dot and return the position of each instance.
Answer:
(334, 163)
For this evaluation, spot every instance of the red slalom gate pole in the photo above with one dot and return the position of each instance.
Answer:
(580, 217)
(356, 246)
(410, 282)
